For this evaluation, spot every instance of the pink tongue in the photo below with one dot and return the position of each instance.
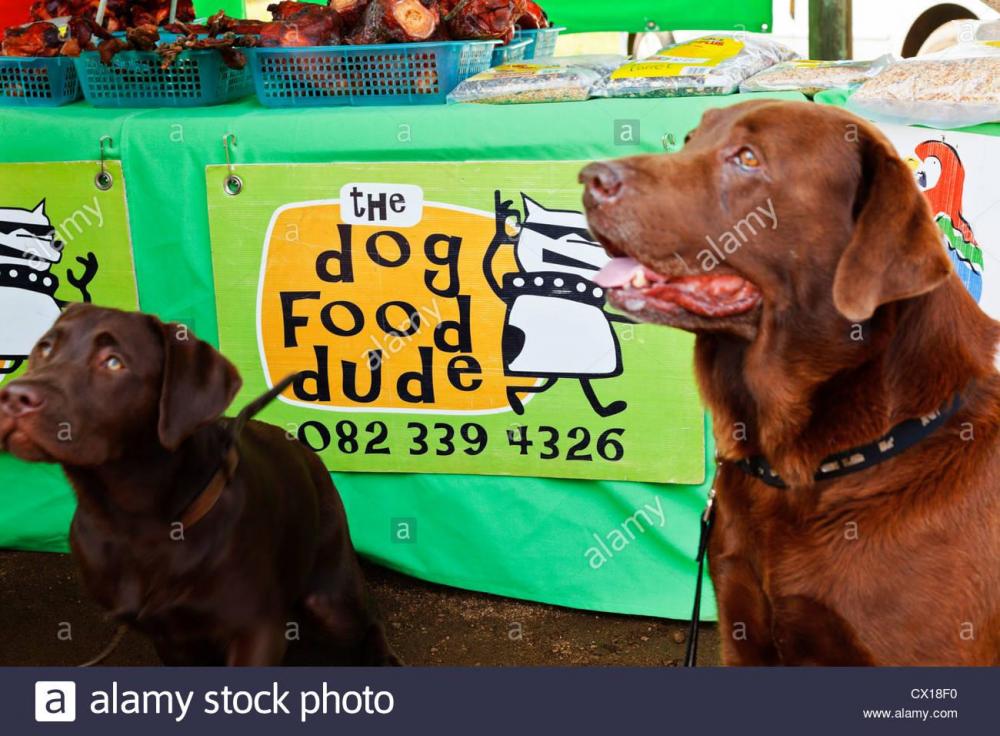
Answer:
(618, 272)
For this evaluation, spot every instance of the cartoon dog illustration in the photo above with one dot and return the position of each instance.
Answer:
(28, 249)
(941, 176)
(555, 326)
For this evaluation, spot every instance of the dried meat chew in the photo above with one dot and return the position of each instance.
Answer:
(119, 15)
(290, 34)
(350, 11)
(80, 36)
(36, 39)
(396, 20)
(533, 16)
(485, 19)
(216, 25)
(301, 24)
(287, 9)
(227, 46)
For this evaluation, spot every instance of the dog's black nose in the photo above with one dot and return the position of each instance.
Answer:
(19, 399)
(603, 183)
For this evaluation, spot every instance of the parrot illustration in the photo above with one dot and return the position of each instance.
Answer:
(941, 176)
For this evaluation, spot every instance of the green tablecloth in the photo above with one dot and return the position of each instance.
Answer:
(522, 537)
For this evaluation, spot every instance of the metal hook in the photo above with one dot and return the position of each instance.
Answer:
(669, 142)
(233, 184)
(104, 180)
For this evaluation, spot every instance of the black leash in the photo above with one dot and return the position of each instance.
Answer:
(109, 648)
(707, 518)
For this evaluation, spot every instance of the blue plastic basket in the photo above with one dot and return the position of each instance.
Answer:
(542, 40)
(37, 81)
(384, 74)
(136, 79)
(514, 51)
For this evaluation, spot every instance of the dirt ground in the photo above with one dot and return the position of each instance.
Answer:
(46, 620)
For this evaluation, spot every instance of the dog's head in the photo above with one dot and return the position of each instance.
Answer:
(780, 207)
(102, 382)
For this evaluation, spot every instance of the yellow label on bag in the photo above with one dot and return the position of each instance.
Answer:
(518, 69)
(696, 58)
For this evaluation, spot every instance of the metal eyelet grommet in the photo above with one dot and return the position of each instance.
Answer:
(232, 185)
(104, 181)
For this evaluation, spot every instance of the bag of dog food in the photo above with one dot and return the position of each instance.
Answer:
(987, 31)
(710, 65)
(810, 76)
(950, 89)
(553, 79)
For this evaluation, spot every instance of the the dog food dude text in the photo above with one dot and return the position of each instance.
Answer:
(379, 248)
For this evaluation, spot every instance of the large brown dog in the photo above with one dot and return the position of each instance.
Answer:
(792, 240)
(228, 568)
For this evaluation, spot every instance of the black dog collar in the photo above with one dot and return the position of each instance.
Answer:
(899, 439)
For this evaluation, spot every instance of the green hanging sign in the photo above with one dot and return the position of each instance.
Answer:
(444, 321)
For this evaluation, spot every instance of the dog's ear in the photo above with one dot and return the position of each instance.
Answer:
(198, 385)
(896, 251)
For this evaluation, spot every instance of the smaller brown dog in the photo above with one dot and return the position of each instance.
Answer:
(223, 545)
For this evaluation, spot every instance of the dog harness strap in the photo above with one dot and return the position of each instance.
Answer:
(207, 499)
(691, 654)
(899, 439)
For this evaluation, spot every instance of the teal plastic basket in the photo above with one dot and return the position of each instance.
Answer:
(136, 79)
(38, 81)
(384, 74)
(542, 41)
(513, 51)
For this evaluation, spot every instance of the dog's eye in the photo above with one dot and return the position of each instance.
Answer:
(746, 159)
(113, 363)
(44, 349)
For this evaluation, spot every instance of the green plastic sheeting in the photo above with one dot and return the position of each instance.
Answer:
(667, 15)
(232, 8)
(522, 537)
(618, 15)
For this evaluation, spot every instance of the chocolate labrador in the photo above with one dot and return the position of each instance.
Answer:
(224, 543)
(850, 377)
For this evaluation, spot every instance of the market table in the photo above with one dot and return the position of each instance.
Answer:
(601, 544)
